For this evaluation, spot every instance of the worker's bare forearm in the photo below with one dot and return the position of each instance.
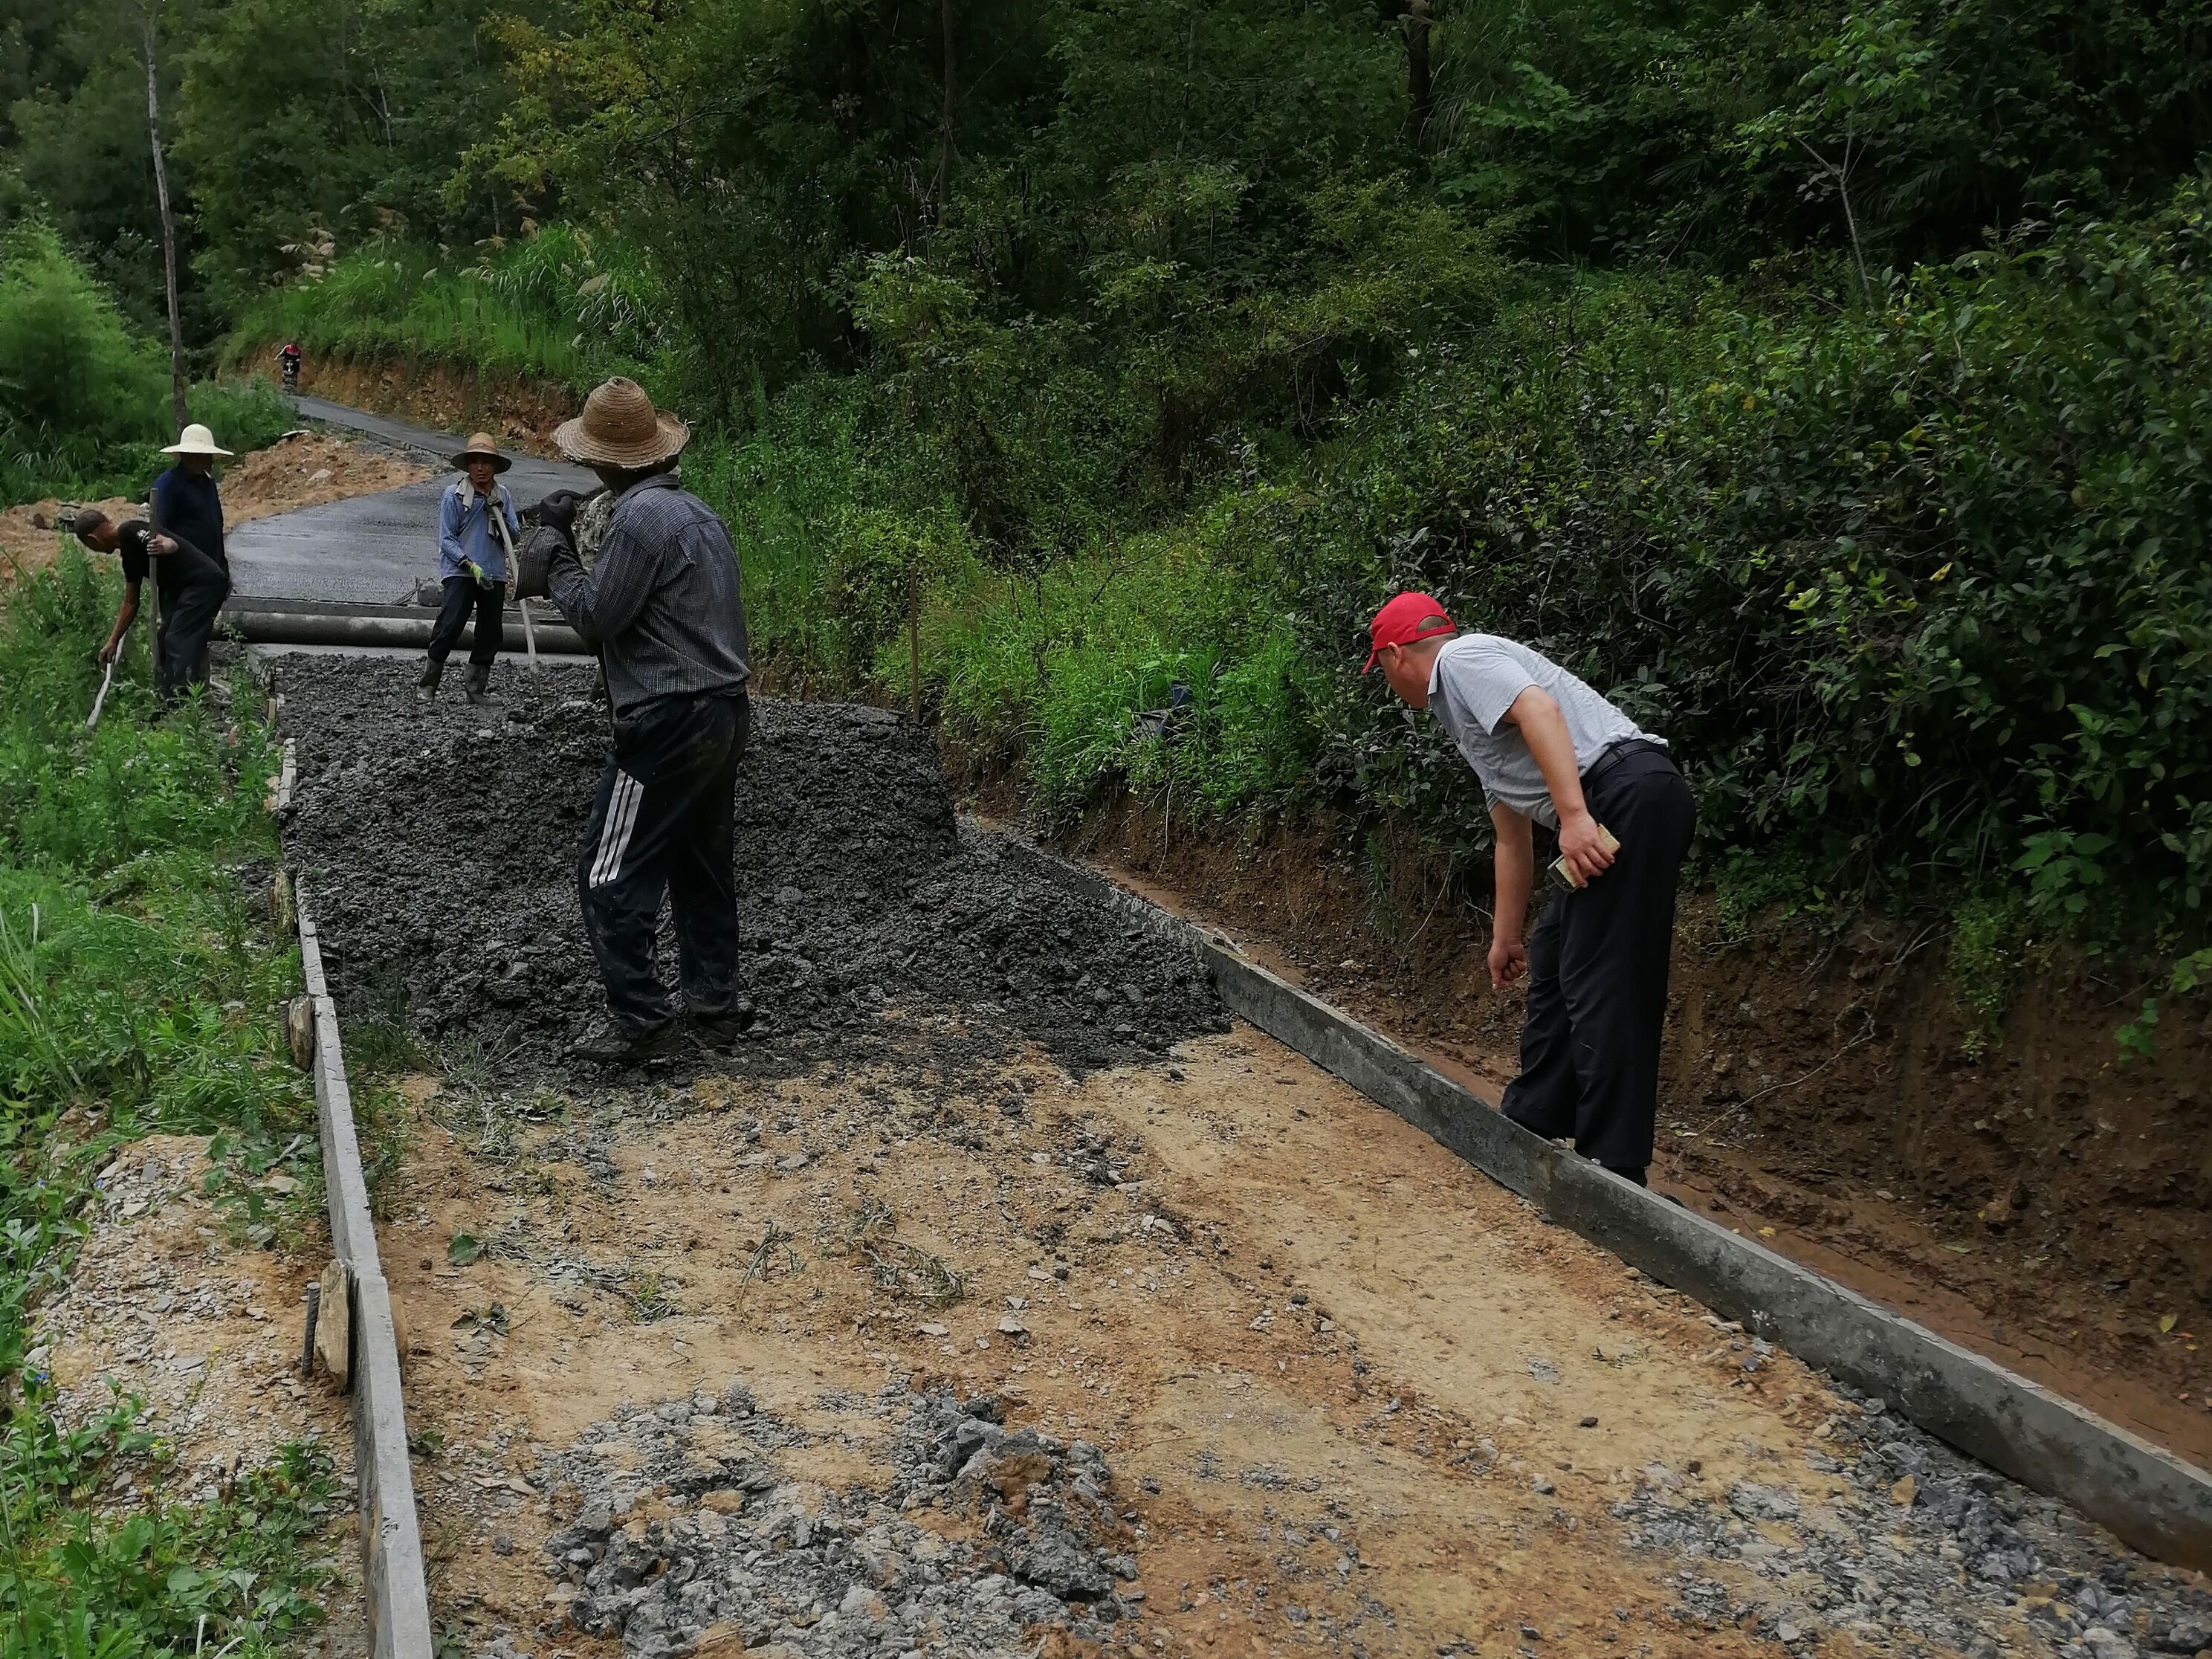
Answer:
(1515, 863)
(1543, 729)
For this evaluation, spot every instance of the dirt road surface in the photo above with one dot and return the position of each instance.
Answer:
(979, 1305)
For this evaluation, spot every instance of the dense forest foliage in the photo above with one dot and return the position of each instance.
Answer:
(1830, 383)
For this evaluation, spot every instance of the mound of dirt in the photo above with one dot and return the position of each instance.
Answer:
(309, 469)
(301, 468)
(439, 848)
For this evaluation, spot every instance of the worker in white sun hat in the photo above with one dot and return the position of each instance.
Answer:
(184, 503)
(185, 499)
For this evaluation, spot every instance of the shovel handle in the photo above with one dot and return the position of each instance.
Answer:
(106, 680)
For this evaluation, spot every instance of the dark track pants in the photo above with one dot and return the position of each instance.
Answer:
(1597, 975)
(462, 598)
(663, 820)
(180, 648)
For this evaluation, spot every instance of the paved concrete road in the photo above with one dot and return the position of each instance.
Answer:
(371, 549)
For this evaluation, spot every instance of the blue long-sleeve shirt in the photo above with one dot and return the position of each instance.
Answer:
(465, 530)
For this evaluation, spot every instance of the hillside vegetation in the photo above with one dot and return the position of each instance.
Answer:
(1828, 383)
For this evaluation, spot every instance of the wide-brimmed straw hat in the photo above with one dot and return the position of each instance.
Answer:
(481, 448)
(197, 440)
(620, 427)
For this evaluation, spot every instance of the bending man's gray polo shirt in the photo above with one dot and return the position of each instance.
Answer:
(1476, 678)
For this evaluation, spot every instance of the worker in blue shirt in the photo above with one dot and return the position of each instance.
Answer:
(476, 533)
(185, 499)
(184, 503)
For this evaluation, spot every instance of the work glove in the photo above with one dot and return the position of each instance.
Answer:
(556, 511)
(535, 559)
(476, 572)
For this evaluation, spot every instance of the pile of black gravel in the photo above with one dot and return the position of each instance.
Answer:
(438, 848)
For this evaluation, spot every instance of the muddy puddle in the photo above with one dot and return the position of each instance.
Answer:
(980, 1316)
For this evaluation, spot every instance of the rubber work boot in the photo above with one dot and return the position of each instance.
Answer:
(426, 687)
(479, 682)
(726, 1029)
(611, 1044)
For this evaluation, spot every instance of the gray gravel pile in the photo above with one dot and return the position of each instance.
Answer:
(440, 849)
(852, 1575)
(1930, 1550)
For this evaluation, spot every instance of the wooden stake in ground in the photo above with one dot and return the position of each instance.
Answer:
(913, 636)
(1418, 96)
(168, 221)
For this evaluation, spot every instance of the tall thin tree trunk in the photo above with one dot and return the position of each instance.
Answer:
(945, 151)
(1418, 95)
(168, 224)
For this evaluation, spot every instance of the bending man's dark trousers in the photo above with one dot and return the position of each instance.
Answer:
(1597, 975)
(464, 596)
(180, 647)
(663, 820)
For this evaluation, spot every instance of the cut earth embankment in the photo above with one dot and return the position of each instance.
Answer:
(954, 1317)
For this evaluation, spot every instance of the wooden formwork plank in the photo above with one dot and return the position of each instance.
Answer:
(391, 1536)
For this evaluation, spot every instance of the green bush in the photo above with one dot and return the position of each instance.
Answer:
(1925, 591)
(84, 404)
(68, 363)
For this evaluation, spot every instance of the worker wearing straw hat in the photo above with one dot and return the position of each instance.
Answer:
(477, 531)
(661, 604)
(185, 499)
(185, 504)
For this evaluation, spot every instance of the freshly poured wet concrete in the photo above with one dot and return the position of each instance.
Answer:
(440, 846)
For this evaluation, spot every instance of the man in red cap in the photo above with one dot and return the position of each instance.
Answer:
(1551, 751)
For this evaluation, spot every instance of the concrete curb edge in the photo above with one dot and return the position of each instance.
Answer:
(2147, 1497)
(396, 1592)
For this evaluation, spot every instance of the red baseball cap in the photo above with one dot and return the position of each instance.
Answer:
(1408, 617)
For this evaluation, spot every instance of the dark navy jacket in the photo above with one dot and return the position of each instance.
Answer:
(191, 509)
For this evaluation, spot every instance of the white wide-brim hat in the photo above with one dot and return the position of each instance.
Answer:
(197, 440)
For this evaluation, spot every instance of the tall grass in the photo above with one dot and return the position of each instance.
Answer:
(141, 989)
(554, 306)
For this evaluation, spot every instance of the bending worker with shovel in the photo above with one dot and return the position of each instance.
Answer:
(477, 531)
(1551, 751)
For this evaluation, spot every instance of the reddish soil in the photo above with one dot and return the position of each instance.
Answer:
(2043, 1203)
(521, 413)
(299, 470)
